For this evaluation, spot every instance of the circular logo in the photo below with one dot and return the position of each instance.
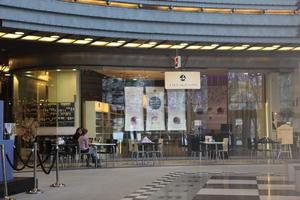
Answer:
(154, 103)
(182, 77)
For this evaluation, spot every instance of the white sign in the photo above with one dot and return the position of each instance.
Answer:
(238, 121)
(182, 80)
(197, 123)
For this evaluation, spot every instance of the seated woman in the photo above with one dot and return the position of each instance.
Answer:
(83, 141)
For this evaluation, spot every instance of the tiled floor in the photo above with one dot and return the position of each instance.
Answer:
(167, 182)
(224, 186)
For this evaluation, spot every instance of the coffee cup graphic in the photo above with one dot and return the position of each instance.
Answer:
(176, 120)
(133, 120)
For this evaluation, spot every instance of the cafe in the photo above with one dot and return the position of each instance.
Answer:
(238, 110)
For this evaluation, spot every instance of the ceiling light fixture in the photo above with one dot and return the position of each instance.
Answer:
(146, 46)
(31, 37)
(163, 46)
(65, 41)
(194, 47)
(81, 42)
(114, 44)
(47, 39)
(132, 45)
(19, 33)
(99, 43)
(11, 36)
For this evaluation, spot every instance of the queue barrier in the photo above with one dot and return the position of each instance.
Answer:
(5, 193)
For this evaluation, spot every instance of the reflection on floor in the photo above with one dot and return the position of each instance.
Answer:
(212, 186)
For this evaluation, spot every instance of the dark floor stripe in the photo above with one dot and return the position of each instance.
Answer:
(225, 197)
(279, 193)
(234, 177)
(271, 182)
(231, 186)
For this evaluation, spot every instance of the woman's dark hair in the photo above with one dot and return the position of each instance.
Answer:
(77, 130)
(84, 131)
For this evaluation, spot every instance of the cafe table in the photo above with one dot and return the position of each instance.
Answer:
(97, 146)
(212, 143)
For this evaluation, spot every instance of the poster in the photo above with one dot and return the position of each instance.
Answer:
(134, 118)
(176, 110)
(155, 108)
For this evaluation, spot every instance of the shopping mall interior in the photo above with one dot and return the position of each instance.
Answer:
(192, 100)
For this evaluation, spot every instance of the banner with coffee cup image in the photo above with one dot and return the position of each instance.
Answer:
(134, 118)
(155, 108)
(176, 110)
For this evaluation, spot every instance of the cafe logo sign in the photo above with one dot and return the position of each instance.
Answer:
(182, 80)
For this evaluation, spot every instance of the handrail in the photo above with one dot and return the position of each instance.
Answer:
(121, 4)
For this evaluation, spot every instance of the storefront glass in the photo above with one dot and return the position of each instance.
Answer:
(236, 105)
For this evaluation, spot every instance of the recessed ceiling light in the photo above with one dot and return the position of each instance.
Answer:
(74, 69)
(285, 48)
(58, 70)
(47, 39)
(163, 46)
(240, 47)
(81, 42)
(114, 44)
(146, 46)
(19, 33)
(31, 37)
(65, 40)
(269, 48)
(99, 43)
(132, 45)
(296, 49)
(177, 47)
(11, 36)
(193, 47)
(254, 48)
(208, 47)
(224, 47)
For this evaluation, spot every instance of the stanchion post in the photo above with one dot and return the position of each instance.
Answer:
(57, 183)
(5, 193)
(35, 190)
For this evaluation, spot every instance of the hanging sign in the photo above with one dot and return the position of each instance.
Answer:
(155, 108)
(176, 110)
(134, 117)
(182, 80)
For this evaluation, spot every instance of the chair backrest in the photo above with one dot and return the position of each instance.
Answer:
(195, 144)
(135, 146)
(161, 144)
(225, 144)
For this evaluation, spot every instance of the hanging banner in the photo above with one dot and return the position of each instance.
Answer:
(155, 108)
(134, 118)
(176, 110)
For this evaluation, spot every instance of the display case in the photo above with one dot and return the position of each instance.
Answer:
(102, 118)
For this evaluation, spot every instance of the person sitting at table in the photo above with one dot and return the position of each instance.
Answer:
(83, 141)
(77, 134)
